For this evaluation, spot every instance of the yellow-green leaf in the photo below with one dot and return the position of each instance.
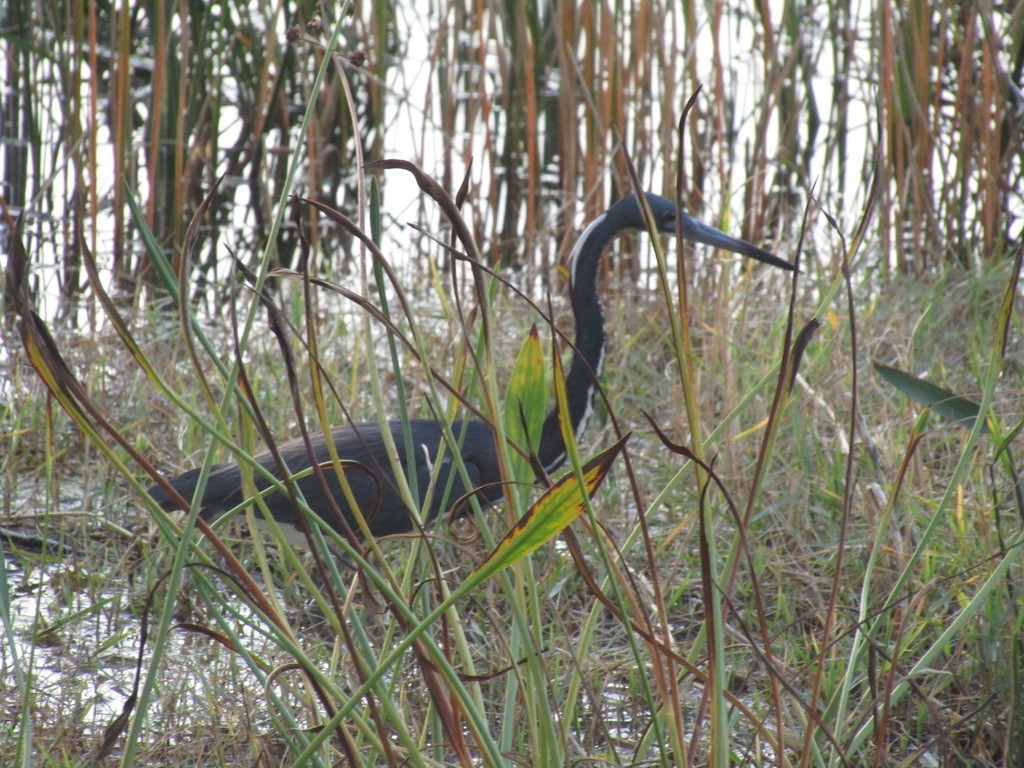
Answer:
(525, 402)
(560, 505)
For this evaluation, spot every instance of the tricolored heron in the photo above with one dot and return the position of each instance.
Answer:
(374, 486)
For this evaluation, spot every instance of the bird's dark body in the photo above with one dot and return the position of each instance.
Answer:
(380, 501)
(372, 481)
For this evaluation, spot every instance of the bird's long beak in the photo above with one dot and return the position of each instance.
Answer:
(699, 232)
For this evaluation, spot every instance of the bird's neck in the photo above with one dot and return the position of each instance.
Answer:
(588, 356)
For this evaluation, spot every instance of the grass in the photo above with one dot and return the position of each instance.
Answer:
(589, 660)
(864, 553)
(594, 669)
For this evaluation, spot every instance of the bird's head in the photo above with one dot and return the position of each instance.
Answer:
(626, 214)
(665, 214)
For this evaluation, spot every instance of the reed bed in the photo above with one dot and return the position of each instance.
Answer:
(797, 556)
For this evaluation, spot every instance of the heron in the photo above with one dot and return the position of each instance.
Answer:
(374, 486)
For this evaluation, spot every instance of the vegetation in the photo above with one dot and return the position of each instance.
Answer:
(792, 560)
